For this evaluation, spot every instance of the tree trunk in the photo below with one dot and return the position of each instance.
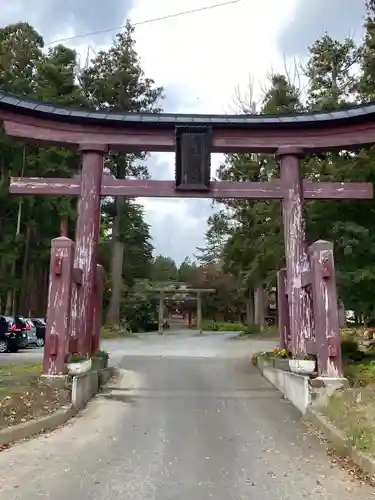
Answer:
(250, 308)
(113, 312)
(259, 307)
(342, 315)
(24, 292)
(9, 303)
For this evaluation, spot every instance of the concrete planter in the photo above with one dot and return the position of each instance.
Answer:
(302, 366)
(80, 367)
(281, 364)
(274, 362)
(99, 363)
(294, 387)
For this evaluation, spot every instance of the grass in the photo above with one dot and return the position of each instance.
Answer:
(21, 369)
(25, 396)
(115, 332)
(361, 374)
(354, 413)
(244, 330)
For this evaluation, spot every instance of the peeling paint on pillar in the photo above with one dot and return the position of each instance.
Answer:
(296, 253)
(58, 309)
(97, 313)
(283, 310)
(87, 240)
(328, 345)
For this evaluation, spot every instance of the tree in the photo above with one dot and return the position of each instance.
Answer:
(214, 239)
(29, 223)
(332, 84)
(331, 79)
(164, 269)
(187, 271)
(115, 80)
(367, 61)
(254, 248)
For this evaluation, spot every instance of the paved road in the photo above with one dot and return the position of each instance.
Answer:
(193, 421)
(179, 343)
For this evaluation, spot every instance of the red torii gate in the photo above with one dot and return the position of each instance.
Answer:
(194, 137)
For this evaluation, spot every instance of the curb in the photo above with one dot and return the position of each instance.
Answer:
(32, 427)
(49, 422)
(340, 442)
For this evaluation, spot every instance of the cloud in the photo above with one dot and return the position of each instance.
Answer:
(177, 225)
(180, 98)
(55, 19)
(312, 18)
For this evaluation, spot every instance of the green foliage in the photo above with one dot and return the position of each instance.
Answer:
(29, 223)
(250, 232)
(213, 326)
(187, 271)
(164, 269)
(101, 354)
(254, 245)
(329, 72)
(115, 332)
(77, 358)
(361, 374)
(353, 413)
(350, 350)
(114, 79)
(138, 306)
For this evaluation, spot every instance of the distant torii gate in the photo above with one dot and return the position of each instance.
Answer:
(165, 291)
(193, 138)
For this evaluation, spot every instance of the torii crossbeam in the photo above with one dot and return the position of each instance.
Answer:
(153, 188)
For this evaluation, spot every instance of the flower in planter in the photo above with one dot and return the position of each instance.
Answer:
(304, 357)
(369, 333)
(281, 353)
(302, 364)
(101, 354)
(77, 358)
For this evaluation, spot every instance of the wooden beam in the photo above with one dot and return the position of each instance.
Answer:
(167, 189)
(45, 186)
(256, 137)
(179, 291)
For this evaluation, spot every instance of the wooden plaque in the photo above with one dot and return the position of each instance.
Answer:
(193, 158)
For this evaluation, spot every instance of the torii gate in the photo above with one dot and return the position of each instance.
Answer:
(193, 137)
(163, 291)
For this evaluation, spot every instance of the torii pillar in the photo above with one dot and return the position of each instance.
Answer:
(86, 247)
(296, 251)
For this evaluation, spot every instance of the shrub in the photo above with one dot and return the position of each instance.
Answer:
(350, 350)
(210, 326)
(213, 326)
(254, 358)
(101, 354)
(115, 331)
(251, 330)
(77, 358)
(361, 374)
(281, 353)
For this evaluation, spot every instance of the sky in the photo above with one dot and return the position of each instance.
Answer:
(199, 59)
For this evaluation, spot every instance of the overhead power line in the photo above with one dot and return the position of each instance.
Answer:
(146, 21)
